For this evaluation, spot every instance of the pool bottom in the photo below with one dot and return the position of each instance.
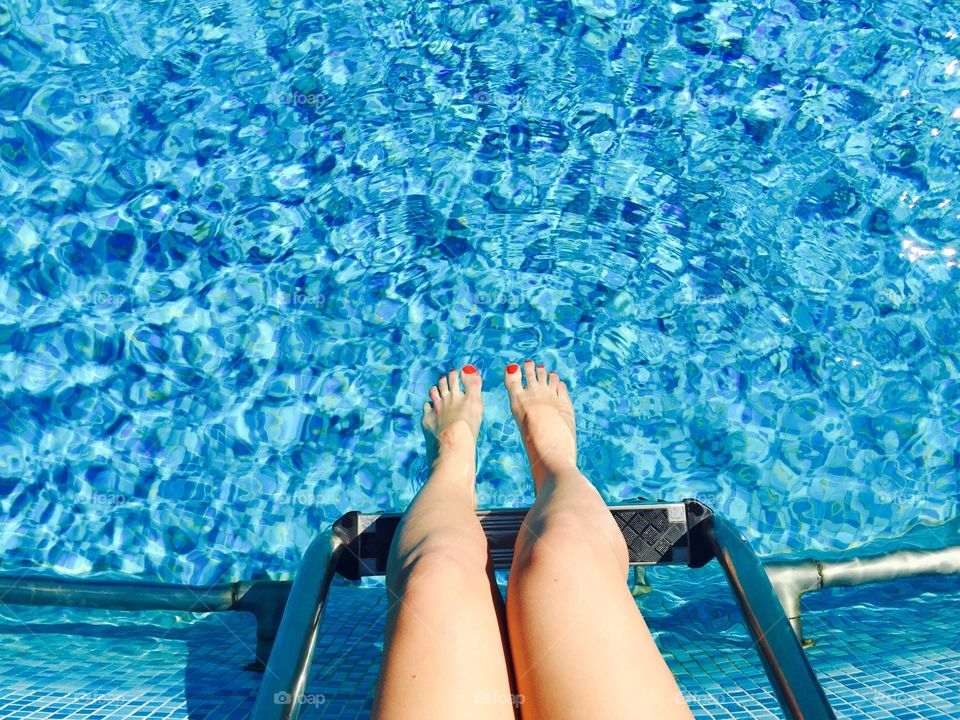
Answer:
(886, 651)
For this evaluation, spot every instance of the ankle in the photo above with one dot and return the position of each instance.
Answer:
(457, 436)
(555, 462)
(456, 450)
(554, 472)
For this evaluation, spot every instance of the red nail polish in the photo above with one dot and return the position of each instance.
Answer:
(539, 367)
(469, 369)
(528, 361)
(512, 368)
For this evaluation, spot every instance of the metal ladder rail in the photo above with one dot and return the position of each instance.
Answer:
(656, 533)
(799, 692)
(281, 690)
(265, 599)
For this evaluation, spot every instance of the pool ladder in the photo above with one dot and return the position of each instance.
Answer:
(288, 614)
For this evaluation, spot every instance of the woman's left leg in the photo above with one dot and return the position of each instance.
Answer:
(445, 648)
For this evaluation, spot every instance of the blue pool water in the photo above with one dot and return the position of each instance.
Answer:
(240, 239)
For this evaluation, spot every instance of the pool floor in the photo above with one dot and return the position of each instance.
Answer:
(881, 652)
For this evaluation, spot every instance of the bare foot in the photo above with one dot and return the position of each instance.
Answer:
(451, 422)
(544, 413)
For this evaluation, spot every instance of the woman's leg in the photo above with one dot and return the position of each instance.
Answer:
(581, 648)
(445, 648)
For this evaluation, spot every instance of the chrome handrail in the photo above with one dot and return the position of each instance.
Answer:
(285, 677)
(800, 694)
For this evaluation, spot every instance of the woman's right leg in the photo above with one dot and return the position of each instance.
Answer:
(580, 646)
(445, 650)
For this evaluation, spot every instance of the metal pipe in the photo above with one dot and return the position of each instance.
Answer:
(792, 579)
(265, 599)
(285, 678)
(798, 690)
(119, 595)
(897, 564)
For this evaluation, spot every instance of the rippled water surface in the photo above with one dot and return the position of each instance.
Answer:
(240, 239)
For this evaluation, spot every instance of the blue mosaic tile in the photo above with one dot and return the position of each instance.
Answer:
(882, 652)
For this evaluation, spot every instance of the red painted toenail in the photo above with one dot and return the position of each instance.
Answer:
(539, 367)
(512, 368)
(469, 369)
(529, 361)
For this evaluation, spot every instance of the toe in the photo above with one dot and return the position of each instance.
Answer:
(427, 411)
(541, 374)
(511, 378)
(444, 386)
(553, 379)
(529, 372)
(453, 379)
(471, 379)
(435, 396)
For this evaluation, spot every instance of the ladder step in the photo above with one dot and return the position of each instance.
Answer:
(655, 533)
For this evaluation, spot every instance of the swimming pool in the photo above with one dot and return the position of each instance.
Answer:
(240, 239)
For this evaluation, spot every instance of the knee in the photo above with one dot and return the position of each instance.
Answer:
(446, 559)
(570, 539)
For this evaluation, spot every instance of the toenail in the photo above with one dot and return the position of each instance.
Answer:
(469, 369)
(539, 367)
(512, 368)
(529, 361)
